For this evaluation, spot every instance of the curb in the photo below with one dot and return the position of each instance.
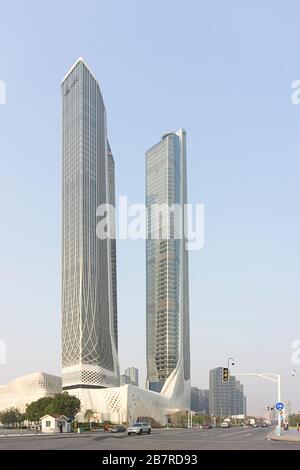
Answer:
(273, 437)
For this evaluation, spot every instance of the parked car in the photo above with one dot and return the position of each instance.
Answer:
(118, 429)
(206, 426)
(139, 428)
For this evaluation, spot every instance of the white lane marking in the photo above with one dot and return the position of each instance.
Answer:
(236, 433)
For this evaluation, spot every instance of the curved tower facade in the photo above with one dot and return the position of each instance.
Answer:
(167, 289)
(89, 302)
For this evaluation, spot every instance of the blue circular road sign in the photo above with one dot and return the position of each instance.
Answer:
(279, 406)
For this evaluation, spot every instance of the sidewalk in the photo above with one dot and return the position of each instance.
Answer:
(56, 435)
(287, 436)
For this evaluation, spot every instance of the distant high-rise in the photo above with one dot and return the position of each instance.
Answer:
(199, 400)
(167, 289)
(133, 374)
(225, 398)
(89, 300)
(124, 379)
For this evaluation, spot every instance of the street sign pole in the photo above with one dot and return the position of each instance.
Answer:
(278, 411)
(279, 407)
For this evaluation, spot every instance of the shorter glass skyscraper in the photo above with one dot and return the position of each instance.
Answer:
(167, 290)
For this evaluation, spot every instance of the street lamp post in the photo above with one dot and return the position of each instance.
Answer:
(235, 405)
(230, 359)
(274, 378)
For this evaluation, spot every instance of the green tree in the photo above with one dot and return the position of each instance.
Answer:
(64, 404)
(11, 417)
(88, 416)
(200, 419)
(294, 419)
(37, 409)
(21, 417)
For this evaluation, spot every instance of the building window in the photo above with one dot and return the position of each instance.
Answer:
(48, 424)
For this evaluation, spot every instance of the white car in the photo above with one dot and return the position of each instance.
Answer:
(139, 428)
(225, 424)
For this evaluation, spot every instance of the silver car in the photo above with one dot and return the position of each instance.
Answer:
(139, 428)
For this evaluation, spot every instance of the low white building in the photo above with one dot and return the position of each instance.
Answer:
(116, 404)
(126, 404)
(55, 423)
(24, 390)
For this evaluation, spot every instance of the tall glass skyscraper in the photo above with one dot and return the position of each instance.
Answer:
(167, 289)
(89, 298)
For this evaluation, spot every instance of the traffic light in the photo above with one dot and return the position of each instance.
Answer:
(225, 374)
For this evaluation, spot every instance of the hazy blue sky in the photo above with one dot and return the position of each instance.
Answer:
(223, 71)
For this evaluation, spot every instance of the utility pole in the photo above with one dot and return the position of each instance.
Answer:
(230, 360)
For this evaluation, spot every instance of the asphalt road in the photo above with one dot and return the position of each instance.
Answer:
(214, 439)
